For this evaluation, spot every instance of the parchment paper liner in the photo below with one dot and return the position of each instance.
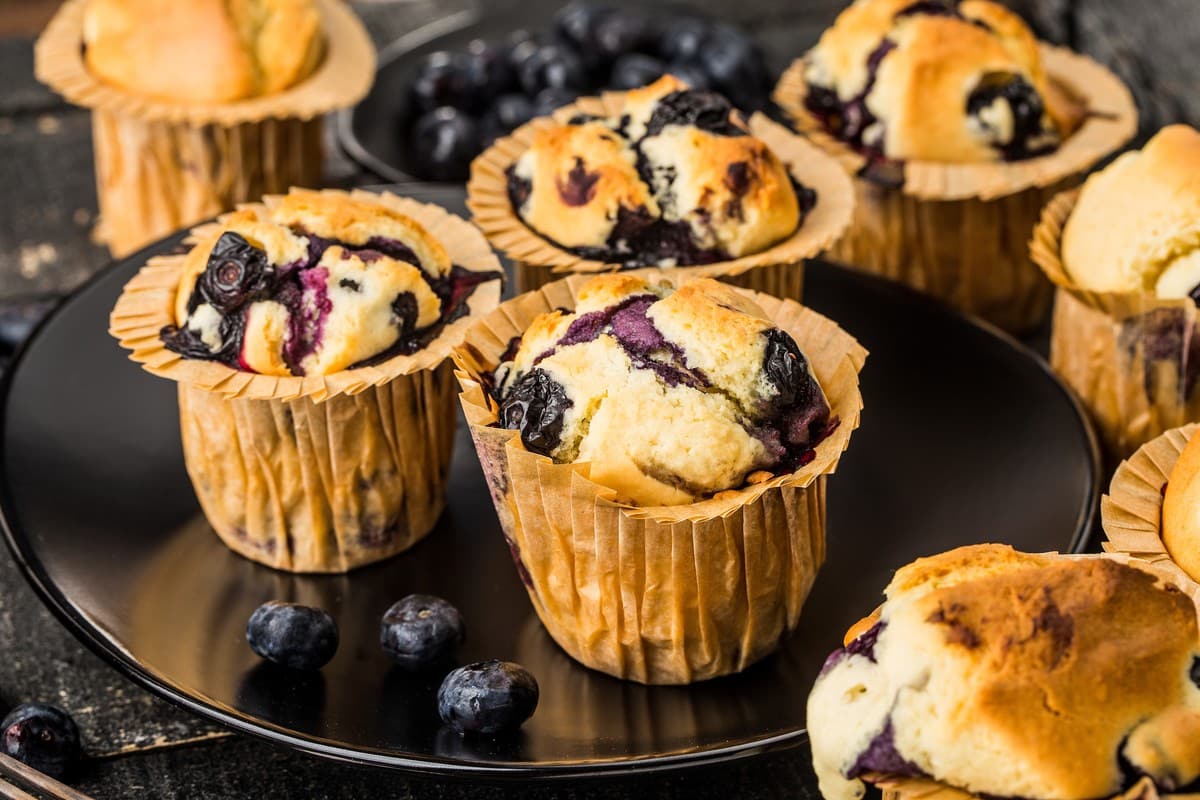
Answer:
(1098, 346)
(777, 270)
(1131, 512)
(161, 166)
(322, 473)
(957, 231)
(664, 595)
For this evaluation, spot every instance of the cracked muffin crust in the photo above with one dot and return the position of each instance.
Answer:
(202, 51)
(318, 284)
(677, 180)
(670, 394)
(1013, 675)
(933, 80)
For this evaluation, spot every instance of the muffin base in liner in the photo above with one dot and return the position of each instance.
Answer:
(162, 166)
(1131, 512)
(539, 262)
(664, 595)
(958, 231)
(319, 473)
(1130, 356)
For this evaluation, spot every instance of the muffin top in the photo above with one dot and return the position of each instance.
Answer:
(317, 284)
(1136, 225)
(670, 394)
(202, 51)
(677, 180)
(932, 80)
(1006, 674)
(1181, 510)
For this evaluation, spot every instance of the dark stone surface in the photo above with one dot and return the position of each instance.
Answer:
(143, 747)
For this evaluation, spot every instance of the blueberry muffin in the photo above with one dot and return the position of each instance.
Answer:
(200, 105)
(934, 80)
(320, 285)
(676, 180)
(663, 176)
(958, 125)
(657, 452)
(309, 335)
(1124, 252)
(202, 51)
(999, 673)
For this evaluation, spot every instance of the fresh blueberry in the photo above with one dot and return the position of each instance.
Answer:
(735, 65)
(518, 47)
(292, 635)
(535, 406)
(509, 112)
(488, 72)
(681, 38)
(550, 100)
(421, 632)
(691, 73)
(576, 22)
(443, 144)
(488, 697)
(633, 70)
(43, 737)
(443, 79)
(624, 31)
(552, 66)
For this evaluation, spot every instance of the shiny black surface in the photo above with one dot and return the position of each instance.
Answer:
(966, 437)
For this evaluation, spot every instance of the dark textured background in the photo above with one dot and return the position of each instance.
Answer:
(143, 747)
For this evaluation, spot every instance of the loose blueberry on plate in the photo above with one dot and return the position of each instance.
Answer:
(421, 632)
(292, 635)
(691, 73)
(552, 66)
(623, 31)
(733, 62)
(443, 143)
(509, 112)
(576, 22)
(518, 46)
(487, 697)
(549, 100)
(488, 72)
(442, 79)
(43, 737)
(682, 38)
(634, 70)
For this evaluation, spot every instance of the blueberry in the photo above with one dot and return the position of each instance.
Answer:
(787, 368)
(1027, 110)
(735, 65)
(487, 697)
(707, 111)
(292, 635)
(552, 66)
(509, 112)
(535, 406)
(518, 47)
(443, 79)
(633, 70)
(421, 632)
(682, 38)
(43, 737)
(550, 100)
(488, 72)
(443, 143)
(576, 22)
(623, 31)
(691, 73)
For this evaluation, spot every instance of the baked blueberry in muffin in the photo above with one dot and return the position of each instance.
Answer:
(1003, 674)
(670, 394)
(932, 80)
(319, 284)
(677, 180)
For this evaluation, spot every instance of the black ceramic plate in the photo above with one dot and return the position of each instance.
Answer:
(373, 132)
(966, 438)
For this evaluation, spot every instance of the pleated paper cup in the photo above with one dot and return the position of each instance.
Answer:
(161, 166)
(321, 473)
(777, 271)
(1130, 356)
(672, 594)
(959, 231)
(1131, 512)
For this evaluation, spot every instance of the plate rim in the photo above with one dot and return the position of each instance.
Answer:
(93, 636)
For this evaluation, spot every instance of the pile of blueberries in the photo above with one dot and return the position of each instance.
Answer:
(460, 102)
(421, 633)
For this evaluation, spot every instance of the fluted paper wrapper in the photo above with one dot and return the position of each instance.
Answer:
(320, 473)
(778, 270)
(1126, 354)
(1131, 512)
(958, 231)
(896, 788)
(161, 166)
(665, 595)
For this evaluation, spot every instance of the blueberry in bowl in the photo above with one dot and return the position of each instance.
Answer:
(42, 736)
(292, 635)
(421, 632)
(488, 698)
